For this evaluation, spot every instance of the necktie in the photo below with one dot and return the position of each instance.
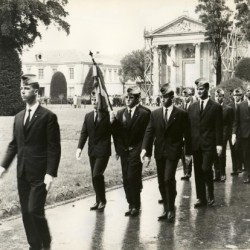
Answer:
(129, 115)
(202, 107)
(166, 116)
(186, 105)
(26, 124)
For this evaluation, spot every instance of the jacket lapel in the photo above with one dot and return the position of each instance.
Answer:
(171, 118)
(35, 117)
(208, 106)
(161, 118)
(134, 118)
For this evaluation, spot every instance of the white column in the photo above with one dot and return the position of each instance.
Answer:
(163, 66)
(156, 72)
(173, 69)
(198, 59)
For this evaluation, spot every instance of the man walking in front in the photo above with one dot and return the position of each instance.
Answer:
(206, 134)
(166, 129)
(131, 123)
(36, 141)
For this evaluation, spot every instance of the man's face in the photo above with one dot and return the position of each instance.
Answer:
(238, 98)
(219, 98)
(202, 92)
(131, 101)
(248, 93)
(167, 100)
(187, 97)
(28, 93)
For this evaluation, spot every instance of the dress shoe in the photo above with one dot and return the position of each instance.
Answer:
(247, 181)
(234, 174)
(160, 201)
(164, 216)
(134, 212)
(223, 178)
(128, 213)
(216, 179)
(101, 206)
(200, 203)
(211, 203)
(171, 216)
(95, 206)
(185, 178)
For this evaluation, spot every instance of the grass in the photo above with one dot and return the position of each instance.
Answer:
(74, 177)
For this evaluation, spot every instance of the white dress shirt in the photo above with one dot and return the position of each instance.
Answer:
(170, 109)
(204, 102)
(133, 110)
(32, 112)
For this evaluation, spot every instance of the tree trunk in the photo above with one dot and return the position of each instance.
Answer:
(10, 78)
(218, 70)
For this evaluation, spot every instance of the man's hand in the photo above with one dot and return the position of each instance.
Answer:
(233, 140)
(219, 150)
(2, 170)
(117, 157)
(48, 180)
(112, 116)
(188, 159)
(143, 154)
(78, 154)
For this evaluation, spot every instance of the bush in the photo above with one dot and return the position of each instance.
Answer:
(242, 69)
(58, 88)
(10, 78)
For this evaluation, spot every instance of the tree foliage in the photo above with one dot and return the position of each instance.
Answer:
(242, 69)
(243, 16)
(19, 20)
(133, 66)
(88, 84)
(216, 16)
(58, 88)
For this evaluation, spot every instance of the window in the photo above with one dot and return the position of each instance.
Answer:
(71, 73)
(40, 73)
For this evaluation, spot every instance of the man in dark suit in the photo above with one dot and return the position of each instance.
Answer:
(206, 132)
(130, 124)
(188, 100)
(228, 118)
(236, 152)
(166, 129)
(36, 141)
(97, 128)
(241, 131)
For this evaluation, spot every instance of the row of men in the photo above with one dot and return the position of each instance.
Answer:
(36, 142)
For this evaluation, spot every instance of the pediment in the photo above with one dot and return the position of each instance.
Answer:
(183, 24)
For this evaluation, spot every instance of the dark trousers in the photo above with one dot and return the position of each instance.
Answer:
(245, 145)
(166, 170)
(236, 155)
(220, 161)
(32, 196)
(98, 166)
(203, 163)
(187, 168)
(132, 178)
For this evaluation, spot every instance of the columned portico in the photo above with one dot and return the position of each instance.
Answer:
(155, 71)
(198, 59)
(173, 66)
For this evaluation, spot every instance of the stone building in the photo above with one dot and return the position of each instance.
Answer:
(74, 65)
(180, 54)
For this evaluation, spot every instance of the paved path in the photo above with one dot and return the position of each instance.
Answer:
(75, 227)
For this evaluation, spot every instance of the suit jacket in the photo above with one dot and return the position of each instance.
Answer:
(38, 150)
(99, 135)
(228, 119)
(207, 128)
(241, 126)
(130, 135)
(168, 138)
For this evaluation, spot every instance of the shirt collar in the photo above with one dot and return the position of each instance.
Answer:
(133, 109)
(170, 108)
(33, 107)
(205, 101)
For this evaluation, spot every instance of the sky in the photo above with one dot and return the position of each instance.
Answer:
(112, 26)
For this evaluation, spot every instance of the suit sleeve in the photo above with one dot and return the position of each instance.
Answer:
(84, 134)
(11, 150)
(54, 145)
(219, 126)
(236, 123)
(149, 135)
(187, 134)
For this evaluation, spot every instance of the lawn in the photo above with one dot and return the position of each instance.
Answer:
(74, 178)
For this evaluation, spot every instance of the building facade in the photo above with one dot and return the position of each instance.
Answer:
(75, 67)
(180, 54)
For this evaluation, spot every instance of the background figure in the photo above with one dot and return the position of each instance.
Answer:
(178, 102)
(228, 118)
(166, 129)
(188, 100)
(241, 131)
(131, 123)
(206, 131)
(75, 101)
(236, 147)
(36, 141)
(97, 128)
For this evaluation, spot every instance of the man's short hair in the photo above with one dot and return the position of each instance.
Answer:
(220, 91)
(238, 92)
(188, 91)
(166, 90)
(202, 82)
(30, 80)
(134, 91)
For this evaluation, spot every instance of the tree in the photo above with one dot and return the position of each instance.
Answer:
(216, 16)
(243, 16)
(133, 66)
(19, 27)
(58, 88)
(242, 69)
